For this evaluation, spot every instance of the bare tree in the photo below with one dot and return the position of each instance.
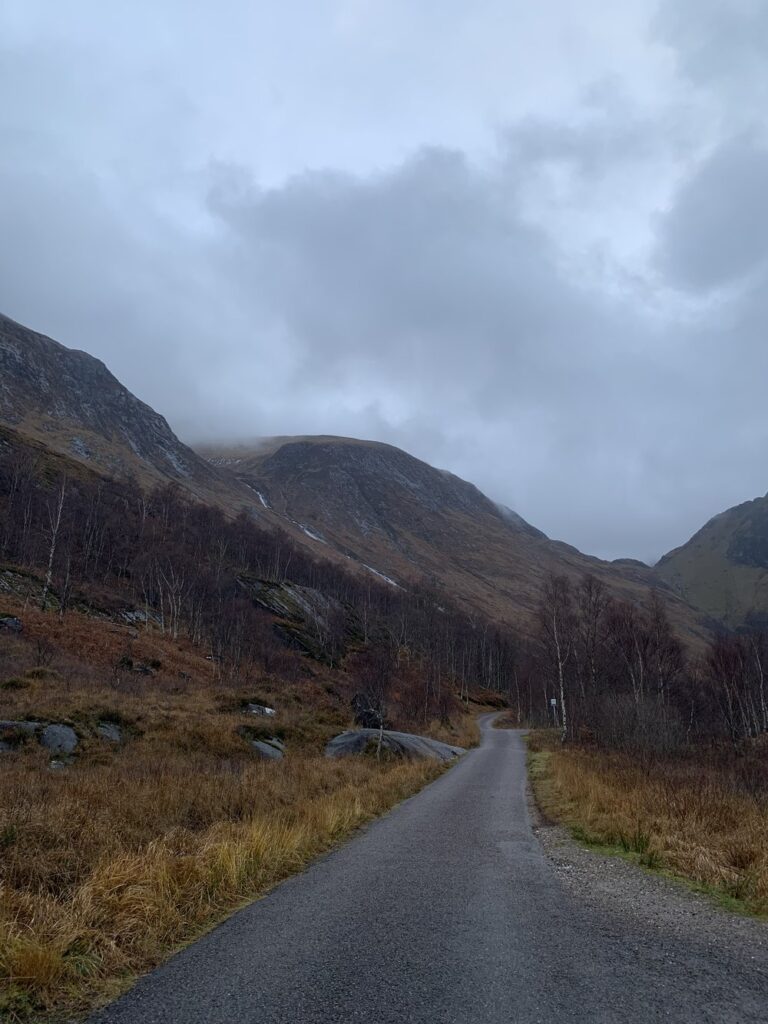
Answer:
(54, 517)
(556, 636)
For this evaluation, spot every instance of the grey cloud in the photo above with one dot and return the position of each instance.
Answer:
(716, 41)
(717, 229)
(412, 271)
(444, 302)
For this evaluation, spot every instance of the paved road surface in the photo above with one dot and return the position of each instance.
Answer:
(446, 911)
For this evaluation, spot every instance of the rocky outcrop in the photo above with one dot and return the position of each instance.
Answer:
(311, 621)
(109, 732)
(271, 749)
(259, 709)
(57, 739)
(402, 744)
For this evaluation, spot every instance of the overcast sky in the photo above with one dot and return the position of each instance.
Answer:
(526, 242)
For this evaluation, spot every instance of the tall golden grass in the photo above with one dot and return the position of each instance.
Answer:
(106, 868)
(691, 816)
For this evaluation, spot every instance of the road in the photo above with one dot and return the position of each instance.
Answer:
(445, 911)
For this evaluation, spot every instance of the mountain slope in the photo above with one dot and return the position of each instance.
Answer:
(723, 569)
(71, 402)
(405, 520)
(367, 505)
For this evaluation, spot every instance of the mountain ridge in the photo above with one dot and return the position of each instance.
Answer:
(70, 401)
(402, 518)
(365, 504)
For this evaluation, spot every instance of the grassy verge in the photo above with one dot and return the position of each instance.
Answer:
(108, 868)
(686, 818)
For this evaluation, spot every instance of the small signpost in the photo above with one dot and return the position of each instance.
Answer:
(555, 716)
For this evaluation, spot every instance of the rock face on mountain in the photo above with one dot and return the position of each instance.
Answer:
(401, 521)
(72, 403)
(723, 569)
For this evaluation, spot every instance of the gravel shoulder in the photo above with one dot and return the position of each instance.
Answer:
(649, 901)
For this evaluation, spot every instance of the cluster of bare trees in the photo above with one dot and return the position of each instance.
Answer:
(736, 675)
(613, 671)
(607, 668)
(110, 545)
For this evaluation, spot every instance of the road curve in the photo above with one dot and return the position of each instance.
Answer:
(445, 911)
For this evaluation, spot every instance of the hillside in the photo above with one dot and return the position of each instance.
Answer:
(404, 520)
(69, 401)
(723, 569)
(363, 505)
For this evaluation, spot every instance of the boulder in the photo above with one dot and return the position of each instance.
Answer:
(402, 744)
(59, 739)
(259, 709)
(271, 750)
(110, 732)
(11, 623)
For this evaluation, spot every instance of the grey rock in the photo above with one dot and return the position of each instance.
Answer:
(59, 739)
(403, 744)
(11, 623)
(268, 749)
(259, 709)
(110, 732)
(132, 616)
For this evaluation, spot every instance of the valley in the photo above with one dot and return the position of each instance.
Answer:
(189, 638)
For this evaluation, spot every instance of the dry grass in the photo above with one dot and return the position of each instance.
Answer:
(694, 819)
(109, 864)
(107, 867)
(464, 731)
(507, 720)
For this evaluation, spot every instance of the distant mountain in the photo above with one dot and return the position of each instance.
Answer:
(723, 569)
(403, 520)
(71, 402)
(367, 505)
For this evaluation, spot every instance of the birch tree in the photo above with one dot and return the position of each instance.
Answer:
(556, 636)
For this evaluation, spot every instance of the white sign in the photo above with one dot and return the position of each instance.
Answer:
(553, 701)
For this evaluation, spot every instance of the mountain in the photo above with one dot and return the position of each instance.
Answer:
(402, 520)
(69, 401)
(723, 569)
(369, 506)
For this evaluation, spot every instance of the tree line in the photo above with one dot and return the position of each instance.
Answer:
(613, 672)
(111, 544)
